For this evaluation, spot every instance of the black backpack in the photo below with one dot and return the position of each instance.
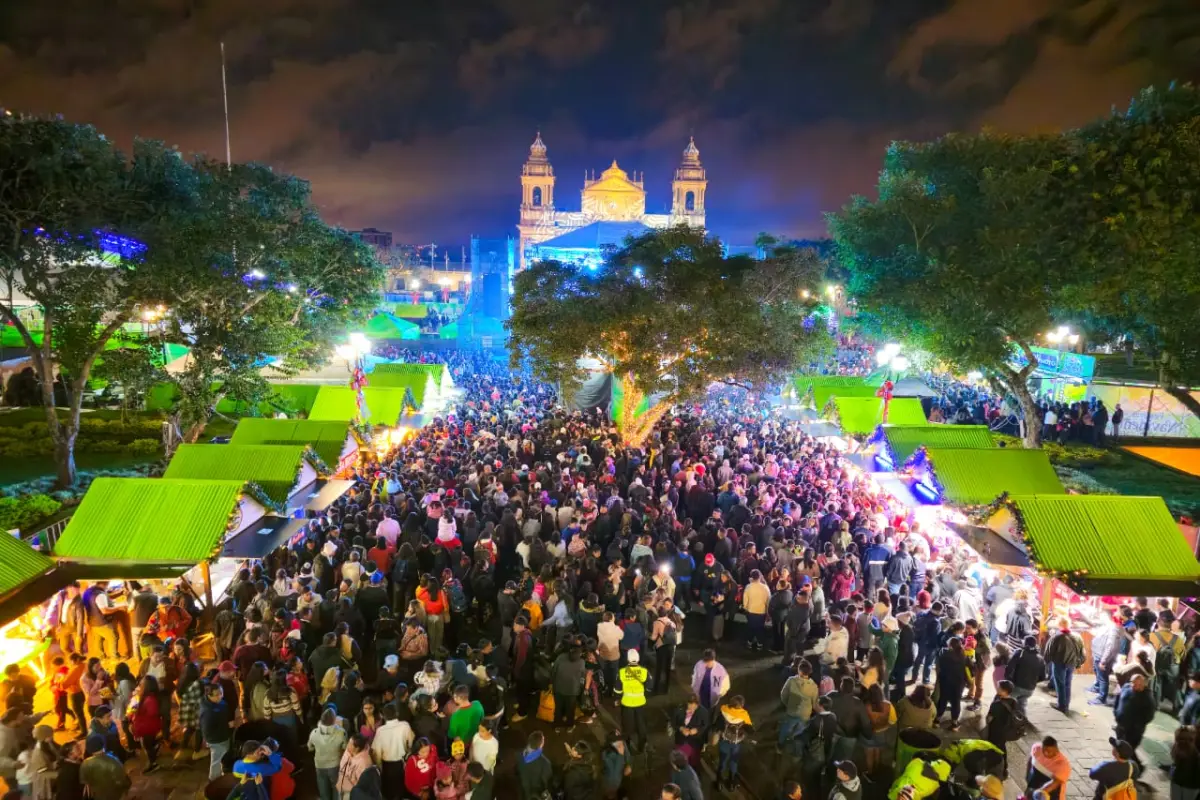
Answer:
(1164, 660)
(670, 637)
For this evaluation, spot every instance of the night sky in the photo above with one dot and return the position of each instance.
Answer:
(415, 117)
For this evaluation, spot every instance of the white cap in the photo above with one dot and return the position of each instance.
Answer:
(632, 656)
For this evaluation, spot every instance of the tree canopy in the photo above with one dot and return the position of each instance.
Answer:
(952, 254)
(92, 239)
(671, 313)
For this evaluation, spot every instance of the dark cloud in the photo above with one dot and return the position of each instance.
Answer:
(416, 116)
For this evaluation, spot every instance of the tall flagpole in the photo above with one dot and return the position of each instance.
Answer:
(225, 96)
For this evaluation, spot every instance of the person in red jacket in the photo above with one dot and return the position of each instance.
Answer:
(282, 784)
(420, 771)
(147, 721)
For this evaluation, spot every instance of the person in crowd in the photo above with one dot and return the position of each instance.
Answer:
(1064, 654)
(1118, 774)
(1135, 709)
(535, 773)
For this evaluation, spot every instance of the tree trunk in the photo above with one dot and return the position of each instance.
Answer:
(1129, 351)
(1033, 420)
(64, 460)
(192, 435)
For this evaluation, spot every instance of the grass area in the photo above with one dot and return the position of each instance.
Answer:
(1112, 367)
(1132, 475)
(16, 417)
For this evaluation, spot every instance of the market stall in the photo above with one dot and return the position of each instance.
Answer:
(287, 474)
(158, 527)
(893, 445)
(966, 478)
(333, 441)
(27, 579)
(429, 383)
(860, 416)
(383, 407)
(815, 391)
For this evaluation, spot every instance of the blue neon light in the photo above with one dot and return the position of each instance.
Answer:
(884, 463)
(926, 491)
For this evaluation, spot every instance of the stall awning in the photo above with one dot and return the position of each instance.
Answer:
(151, 521)
(903, 441)
(262, 541)
(862, 415)
(19, 564)
(1102, 544)
(275, 468)
(339, 404)
(972, 477)
(995, 550)
(327, 495)
(327, 439)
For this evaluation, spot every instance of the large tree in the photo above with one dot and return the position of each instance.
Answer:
(92, 240)
(953, 255)
(1133, 201)
(69, 283)
(669, 314)
(268, 283)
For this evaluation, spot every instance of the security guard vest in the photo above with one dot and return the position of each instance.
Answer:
(633, 686)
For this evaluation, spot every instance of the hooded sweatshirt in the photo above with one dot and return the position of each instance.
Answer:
(327, 743)
(847, 790)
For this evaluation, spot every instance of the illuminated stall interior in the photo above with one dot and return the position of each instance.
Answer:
(333, 441)
(27, 579)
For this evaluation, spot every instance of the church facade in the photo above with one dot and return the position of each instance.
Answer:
(612, 207)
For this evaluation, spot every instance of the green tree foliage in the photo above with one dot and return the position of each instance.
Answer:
(136, 369)
(671, 314)
(1133, 199)
(952, 254)
(63, 186)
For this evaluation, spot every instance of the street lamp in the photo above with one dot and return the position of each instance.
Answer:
(900, 363)
(1062, 335)
(887, 354)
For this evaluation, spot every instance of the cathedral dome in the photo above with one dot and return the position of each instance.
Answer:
(538, 148)
(691, 153)
(614, 172)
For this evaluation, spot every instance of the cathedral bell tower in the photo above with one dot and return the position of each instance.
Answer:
(537, 198)
(688, 189)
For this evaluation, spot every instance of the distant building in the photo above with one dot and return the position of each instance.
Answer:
(381, 239)
(614, 203)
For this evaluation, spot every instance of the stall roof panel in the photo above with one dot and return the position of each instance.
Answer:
(325, 438)
(864, 414)
(150, 520)
(19, 564)
(1120, 545)
(904, 440)
(973, 477)
(384, 406)
(273, 467)
(405, 376)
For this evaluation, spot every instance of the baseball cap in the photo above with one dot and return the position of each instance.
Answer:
(391, 661)
(847, 767)
(710, 559)
(633, 656)
(227, 666)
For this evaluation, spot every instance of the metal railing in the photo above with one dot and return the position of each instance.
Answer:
(46, 538)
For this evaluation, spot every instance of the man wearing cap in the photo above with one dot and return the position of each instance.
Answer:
(848, 786)
(1135, 709)
(632, 688)
(1120, 769)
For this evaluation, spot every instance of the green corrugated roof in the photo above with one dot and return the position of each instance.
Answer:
(273, 467)
(19, 564)
(389, 326)
(974, 476)
(149, 521)
(327, 439)
(904, 440)
(414, 377)
(859, 415)
(1129, 539)
(384, 406)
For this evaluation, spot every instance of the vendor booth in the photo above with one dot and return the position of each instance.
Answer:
(893, 445)
(382, 406)
(27, 579)
(860, 416)
(974, 477)
(333, 441)
(430, 384)
(815, 391)
(287, 474)
(159, 527)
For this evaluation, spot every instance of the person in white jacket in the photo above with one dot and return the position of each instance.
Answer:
(836, 643)
(390, 747)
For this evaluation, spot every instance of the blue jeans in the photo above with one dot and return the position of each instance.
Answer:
(327, 783)
(1101, 680)
(789, 728)
(727, 756)
(926, 658)
(1060, 679)
(894, 588)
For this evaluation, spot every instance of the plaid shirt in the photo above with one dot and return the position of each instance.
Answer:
(189, 706)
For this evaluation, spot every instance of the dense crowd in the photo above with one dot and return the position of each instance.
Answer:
(514, 559)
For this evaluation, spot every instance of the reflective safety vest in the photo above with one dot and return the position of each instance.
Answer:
(633, 686)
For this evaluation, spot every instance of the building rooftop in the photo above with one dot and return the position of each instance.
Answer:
(597, 235)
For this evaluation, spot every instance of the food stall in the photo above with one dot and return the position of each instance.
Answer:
(393, 414)
(891, 446)
(27, 580)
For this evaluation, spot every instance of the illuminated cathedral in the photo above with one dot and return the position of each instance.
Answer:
(612, 207)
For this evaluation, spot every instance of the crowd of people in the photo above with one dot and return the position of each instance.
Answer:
(515, 559)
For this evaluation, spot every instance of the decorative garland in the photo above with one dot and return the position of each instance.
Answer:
(315, 461)
(259, 495)
(830, 412)
(1073, 578)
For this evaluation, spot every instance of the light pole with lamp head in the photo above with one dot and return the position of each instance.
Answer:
(355, 352)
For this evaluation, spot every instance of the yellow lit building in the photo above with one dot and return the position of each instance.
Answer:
(612, 207)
